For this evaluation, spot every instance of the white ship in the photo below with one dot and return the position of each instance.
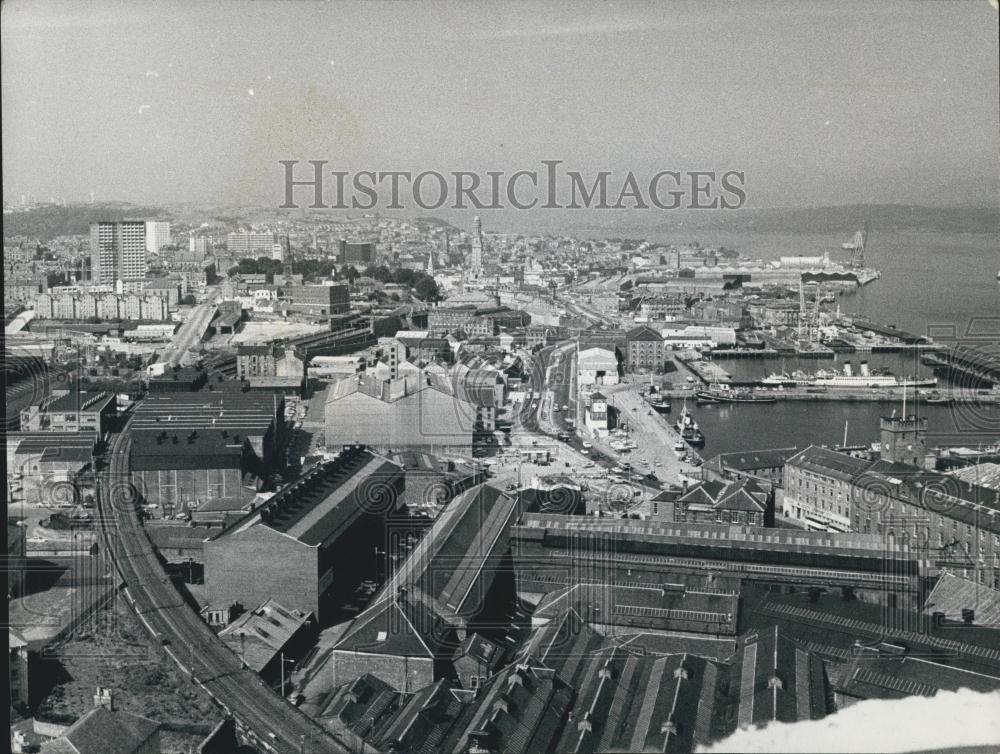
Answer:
(827, 378)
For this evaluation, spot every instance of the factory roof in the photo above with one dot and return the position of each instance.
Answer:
(828, 463)
(404, 624)
(321, 505)
(874, 674)
(77, 401)
(777, 679)
(455, 561)
(260, 634)
(38, 442)
(831, 626)
(953, 593)
(394, 390)
(176, 449)
(543, 525)
(626, 702)
(522, 708)
(250, 414)
(662, 606)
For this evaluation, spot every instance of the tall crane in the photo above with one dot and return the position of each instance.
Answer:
(857, 246)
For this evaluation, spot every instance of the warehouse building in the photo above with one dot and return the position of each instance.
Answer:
(418, 413)
(453, 581)
(314, 533)
(258, 418)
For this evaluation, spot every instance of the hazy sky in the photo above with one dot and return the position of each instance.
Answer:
(828, 103)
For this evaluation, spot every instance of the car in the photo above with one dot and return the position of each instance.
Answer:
(588, 445)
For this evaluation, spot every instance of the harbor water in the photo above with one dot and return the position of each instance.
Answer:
(932, 283)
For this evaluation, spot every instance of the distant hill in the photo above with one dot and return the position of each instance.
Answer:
(45, 223)
(846, 219)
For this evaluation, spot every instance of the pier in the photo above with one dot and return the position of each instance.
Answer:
(941, 396)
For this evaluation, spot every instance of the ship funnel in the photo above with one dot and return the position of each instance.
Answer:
(864, 369)
(848, 371)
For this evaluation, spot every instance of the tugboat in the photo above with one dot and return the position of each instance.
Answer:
(660, 404)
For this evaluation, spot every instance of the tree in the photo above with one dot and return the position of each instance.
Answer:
(427, 289)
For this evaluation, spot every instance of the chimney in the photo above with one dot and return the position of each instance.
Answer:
(968, 615)
(681, 673)
(775, 682)
(585, 725)
(104, 698)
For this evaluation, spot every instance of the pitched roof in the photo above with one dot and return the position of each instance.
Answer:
(626, 702)
(455, 562)
(260, 634)
(406, 625)
(874, 674)
(103, 731)
(829, 463)
(643, 332)
(953, 593)
(751, 460)
(777, 680)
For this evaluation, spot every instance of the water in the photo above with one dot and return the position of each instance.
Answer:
(732, 427)
(932, 283)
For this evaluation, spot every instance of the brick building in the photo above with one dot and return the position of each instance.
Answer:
(313, 533)
(644, 349)
(817, 488)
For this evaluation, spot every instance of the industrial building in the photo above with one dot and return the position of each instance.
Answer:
(654, 552)
(318, 300)
(71, 411)
(314, 533)
(452, 580)
(597, 366)
(424, 413)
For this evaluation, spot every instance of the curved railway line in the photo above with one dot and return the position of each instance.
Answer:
(262, 716)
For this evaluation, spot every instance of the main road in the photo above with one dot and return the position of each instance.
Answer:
(262, 716)
(192, 330)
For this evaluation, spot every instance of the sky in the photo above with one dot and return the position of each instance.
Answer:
(818, 104)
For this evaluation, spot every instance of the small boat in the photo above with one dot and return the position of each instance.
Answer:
(936, 399)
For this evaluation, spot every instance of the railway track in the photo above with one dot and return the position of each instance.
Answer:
(262, 717)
